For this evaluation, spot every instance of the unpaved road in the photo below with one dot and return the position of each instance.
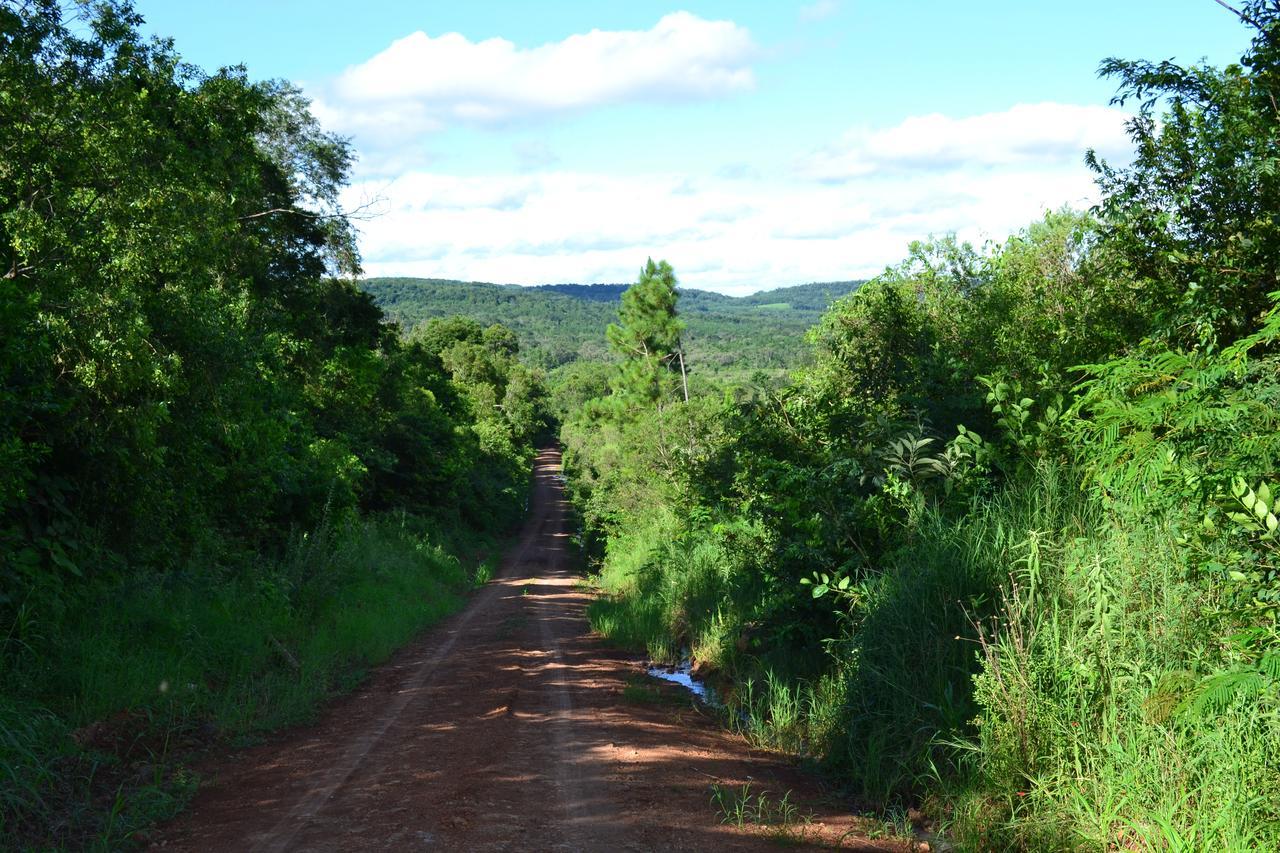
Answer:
(503, 728)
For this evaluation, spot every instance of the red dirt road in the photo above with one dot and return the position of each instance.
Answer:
(503, 728)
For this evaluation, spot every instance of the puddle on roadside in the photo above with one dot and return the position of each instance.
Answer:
(683, 675)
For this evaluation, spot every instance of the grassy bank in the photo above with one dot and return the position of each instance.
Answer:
(152, 670)
(1035, 673)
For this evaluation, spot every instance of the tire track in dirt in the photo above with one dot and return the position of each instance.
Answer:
(504, 728)
(281, 836)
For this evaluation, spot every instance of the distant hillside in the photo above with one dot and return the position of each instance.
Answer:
(592, 292)
(559, 323)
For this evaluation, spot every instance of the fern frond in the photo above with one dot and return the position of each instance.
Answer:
(1217, 692)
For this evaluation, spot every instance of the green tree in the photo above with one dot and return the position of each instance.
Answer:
(647, 335)
(1194, 215)
(183, 362)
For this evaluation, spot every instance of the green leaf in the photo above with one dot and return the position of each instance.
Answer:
(1260, 510)
(1239, 487)
(62, 561)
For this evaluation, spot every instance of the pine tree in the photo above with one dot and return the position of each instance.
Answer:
(647, 335)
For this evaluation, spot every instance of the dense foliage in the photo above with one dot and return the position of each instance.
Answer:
(204, 422)
(1005, 550)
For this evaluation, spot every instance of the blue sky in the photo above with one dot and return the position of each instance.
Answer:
(752, 144)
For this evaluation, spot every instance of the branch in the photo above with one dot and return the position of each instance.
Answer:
(1241, 15)
(353, 214)
(271, 211)
(17, 270)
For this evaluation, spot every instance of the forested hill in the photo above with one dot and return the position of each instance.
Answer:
(560, 323)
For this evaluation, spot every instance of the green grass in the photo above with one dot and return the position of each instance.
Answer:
(777, 815)
(634, 621)
(1015, 670)
(637, 627)
(92, 749)
(673, 597)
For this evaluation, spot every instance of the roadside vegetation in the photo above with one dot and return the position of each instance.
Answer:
(1004, 554)
(1000, 550)
(227, 484)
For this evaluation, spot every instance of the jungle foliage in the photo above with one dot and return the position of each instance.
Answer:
(227, 483)
(1005, 550)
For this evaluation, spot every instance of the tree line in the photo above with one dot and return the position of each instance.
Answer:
(562, 324)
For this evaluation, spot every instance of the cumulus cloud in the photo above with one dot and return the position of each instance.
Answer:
(1043, 135)
(845, 212)
(423, 83)
(732, 235)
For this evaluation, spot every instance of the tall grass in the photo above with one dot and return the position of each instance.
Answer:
(673, 592)
(1085, 737)
(1021, 670)
(108, 691)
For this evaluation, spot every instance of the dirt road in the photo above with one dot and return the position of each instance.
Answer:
(504, 728)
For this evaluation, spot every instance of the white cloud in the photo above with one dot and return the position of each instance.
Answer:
(818, 11)
(1044, 135)
(732, 235)
(424, 83)
(738, 229)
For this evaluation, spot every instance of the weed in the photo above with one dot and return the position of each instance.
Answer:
(1072, 636)
(741, 807)
(891, 823)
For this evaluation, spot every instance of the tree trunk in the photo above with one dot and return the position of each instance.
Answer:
(684, 377)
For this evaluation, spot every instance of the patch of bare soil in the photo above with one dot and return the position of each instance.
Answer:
(504, 728)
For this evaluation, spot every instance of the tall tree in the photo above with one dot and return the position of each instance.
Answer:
(1194, 214)
(647, 334)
